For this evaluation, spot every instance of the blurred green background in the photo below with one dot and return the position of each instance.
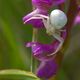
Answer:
(14, 34)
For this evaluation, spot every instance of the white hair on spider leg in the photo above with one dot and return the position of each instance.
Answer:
(53, 24)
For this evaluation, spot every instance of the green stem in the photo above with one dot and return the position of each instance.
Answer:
(34, 39)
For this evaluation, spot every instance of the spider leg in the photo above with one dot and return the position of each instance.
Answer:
(46, 22)
(47, 25)
(31, 19)
(41, 15)
(49, 28)
(61, 40)
(44, 18)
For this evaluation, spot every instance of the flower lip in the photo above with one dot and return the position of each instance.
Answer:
(47, 69)
(35, 22)
(40, 51)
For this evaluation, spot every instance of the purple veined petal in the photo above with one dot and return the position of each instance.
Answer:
(46, 4)
(47, 69)
(40, 51)
(35, 22)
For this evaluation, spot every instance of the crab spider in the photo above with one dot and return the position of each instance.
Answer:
(53, 24)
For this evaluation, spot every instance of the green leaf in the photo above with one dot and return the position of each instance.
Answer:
(15, 73)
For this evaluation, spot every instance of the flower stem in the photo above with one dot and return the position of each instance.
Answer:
(34, 39)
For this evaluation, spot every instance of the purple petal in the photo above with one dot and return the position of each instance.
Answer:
(35, 22)
(46, 4)
(43, 4)
(47, 69)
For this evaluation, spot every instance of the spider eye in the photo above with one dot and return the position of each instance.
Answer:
(58, 18)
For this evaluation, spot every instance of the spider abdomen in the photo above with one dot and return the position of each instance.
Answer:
(58, 19)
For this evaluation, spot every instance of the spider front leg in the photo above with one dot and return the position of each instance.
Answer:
(41, 15)
(38, 16)
(61, 40)
(46, 21)
(32, 19)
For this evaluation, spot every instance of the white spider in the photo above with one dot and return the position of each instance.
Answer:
(53, 24)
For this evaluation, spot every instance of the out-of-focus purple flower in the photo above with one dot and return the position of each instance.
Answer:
(47, 69)
(77, 20)
(46, 4)
(35, 22)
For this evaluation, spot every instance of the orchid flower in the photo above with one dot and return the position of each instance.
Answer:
(39, 50)
(42, 7)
